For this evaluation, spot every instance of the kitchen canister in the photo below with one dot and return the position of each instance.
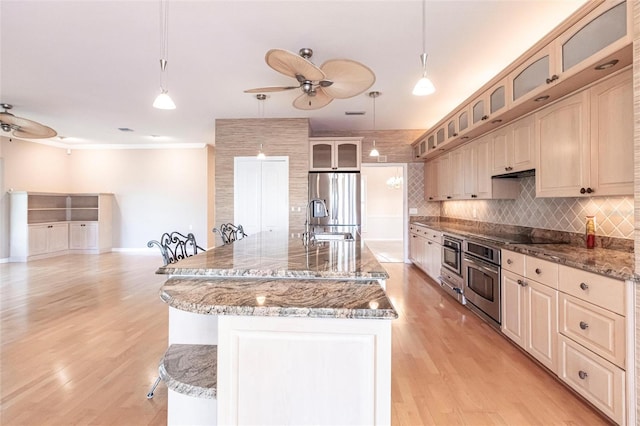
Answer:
(591, 232)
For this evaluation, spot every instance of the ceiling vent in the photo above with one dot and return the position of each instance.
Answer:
(354, 113)
(125, 129)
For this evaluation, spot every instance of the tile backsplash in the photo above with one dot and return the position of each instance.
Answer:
(614, 215)
(415, 192)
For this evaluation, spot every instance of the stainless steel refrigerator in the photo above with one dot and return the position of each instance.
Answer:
(341, 193)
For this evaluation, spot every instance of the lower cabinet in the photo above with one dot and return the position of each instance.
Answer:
(48, 238)
(425, 249)
(574, 323)
(83, 236)
(529, 312)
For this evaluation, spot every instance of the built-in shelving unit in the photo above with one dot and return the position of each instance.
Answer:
(51, 224)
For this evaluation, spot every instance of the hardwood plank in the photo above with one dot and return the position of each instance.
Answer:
(81, 337)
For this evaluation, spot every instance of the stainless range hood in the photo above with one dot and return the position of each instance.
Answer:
(516, 175)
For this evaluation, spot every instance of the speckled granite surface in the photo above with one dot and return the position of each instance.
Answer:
(552, 246)
(191, 370)
(272, 254)
(315, 298)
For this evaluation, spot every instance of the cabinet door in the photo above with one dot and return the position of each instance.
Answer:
(451, 129)
(444, 178)
(77, 236)
(431, 142)
(599, 34)
(321, 155)
(513, 308)
(470, 170)
(347, 155)
(464, 120)
(479, 111)
(562, 141)
(37, 239)
(542, 332)
(498, 98)
(534, 76)
(58, 237)
(522, 152)
(502, 151)
(413, 248)
(431, 180)
(483, 173)
(612, 136)
(457, 178)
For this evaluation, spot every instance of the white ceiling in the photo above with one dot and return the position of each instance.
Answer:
(87, 68)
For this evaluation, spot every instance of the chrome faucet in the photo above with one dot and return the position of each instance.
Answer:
(307, 222)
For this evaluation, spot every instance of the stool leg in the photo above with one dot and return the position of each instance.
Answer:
(153, 388)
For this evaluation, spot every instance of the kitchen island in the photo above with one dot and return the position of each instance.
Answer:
(270, 330)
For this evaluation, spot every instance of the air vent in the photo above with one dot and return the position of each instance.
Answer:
(382, 158)
(125, 129)
(354, 113)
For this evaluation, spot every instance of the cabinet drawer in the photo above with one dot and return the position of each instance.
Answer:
(512, 261)
(542, 271)
(601, 382)
(602, 291)
(435, 236)
(597, 329)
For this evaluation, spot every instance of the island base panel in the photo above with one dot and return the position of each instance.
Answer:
(188, 410)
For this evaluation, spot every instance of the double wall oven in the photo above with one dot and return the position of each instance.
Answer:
(481, 275)
(451, 271)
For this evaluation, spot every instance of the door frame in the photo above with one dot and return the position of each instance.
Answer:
(405, 203)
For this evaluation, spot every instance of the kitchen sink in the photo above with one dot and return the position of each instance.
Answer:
(328, 236)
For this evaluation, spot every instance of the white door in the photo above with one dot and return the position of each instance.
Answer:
(261, 194)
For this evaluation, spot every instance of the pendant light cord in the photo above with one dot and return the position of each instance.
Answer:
(424, 25)
(164, 41)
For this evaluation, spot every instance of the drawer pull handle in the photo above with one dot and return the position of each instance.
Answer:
(582, 374)
(584, 286)
(584, 325)
(522, 283)
(509, 261)
(538, 271)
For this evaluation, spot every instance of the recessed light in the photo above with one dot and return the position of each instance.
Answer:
(606, 65)
(354, 113)
(125, 129)
(541, 98)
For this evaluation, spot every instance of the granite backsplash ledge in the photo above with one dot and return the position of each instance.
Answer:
(571, 238)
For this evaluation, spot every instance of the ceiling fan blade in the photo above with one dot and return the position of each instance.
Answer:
(270, 89)
(350, 78)
(288, 63)
(307, 102)
(23, 128)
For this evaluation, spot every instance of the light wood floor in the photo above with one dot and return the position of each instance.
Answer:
(81, 337)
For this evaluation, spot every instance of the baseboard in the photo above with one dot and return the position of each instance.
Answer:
(4, 260)
(153, 251)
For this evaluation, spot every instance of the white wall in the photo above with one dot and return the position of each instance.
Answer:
(383, 213)
(156, 190)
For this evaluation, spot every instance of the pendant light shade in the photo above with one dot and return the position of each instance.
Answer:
(164, 101)
(374, 152)
(424, 86)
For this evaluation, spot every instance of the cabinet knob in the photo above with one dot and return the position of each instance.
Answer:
(484, 117)
(584, 325)
(509, 261)
(429, 242)
(589, 191)
(538, 271)
(474, 196)
(584, 286)
(455, 134)
(582, 374)
(522, 283)
(431, 198)
(582, 190)
(448, 197)
(552, 79)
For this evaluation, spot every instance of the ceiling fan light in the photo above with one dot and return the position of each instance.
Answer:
(424, 87)
(163, 101)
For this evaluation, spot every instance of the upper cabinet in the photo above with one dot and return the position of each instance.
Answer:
(585, 142)
(328, 154)
(513, 147)
(592, 44)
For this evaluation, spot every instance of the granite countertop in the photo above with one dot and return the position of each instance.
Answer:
(316, 298)
(279, 254)
(191, 370)
(611, 263)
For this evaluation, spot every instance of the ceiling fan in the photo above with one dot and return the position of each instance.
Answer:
(23, 128)
(335, 79)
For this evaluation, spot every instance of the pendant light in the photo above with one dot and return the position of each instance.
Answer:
(261, 98)
(163, 100)
(424, 86)
(374, 152)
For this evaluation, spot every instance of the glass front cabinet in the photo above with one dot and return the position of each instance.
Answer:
(327, 154)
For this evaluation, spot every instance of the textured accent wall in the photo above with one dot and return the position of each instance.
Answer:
(242, 138)
(614, 215)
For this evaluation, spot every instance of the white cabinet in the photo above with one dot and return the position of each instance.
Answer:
(47, 224)
(585, 142)
(476, 175)
(431, 180)
(83, 236)
(327, 154)
(48, 238)
(513, 147)
(445, 185)
(426, 249)
(456, 175)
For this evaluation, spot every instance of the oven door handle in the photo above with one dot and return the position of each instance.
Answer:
(481, 266)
